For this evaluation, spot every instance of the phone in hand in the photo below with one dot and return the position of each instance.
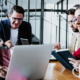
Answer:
(24, 41)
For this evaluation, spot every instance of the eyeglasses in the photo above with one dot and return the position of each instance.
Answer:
(19, 19)
(76, 20)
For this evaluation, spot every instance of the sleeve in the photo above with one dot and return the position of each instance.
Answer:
(76, 54)
(70, 49)
(72, 45)
(1, 31)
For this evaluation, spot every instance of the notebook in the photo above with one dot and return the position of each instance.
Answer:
(62, 56)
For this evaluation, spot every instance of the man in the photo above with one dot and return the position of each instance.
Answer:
(77, 53)
(14, 28)
(73, 47)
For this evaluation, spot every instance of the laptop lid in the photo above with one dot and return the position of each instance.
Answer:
(29, 62)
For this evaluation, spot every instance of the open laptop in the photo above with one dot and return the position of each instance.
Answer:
(29, 62)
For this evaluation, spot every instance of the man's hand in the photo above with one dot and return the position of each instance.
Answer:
(56, 45)
(75, 63)
(8, 43)
(3, 71)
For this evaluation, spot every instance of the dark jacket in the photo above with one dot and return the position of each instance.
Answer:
(24, 31)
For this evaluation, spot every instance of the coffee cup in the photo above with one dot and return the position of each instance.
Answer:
(74, 71)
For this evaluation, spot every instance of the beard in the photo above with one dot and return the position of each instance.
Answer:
(76, 30)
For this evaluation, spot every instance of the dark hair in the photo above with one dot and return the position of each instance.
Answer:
(70, 11)
(77, 6)
(18, 9)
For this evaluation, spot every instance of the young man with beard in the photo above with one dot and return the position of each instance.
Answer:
(14, 28)
(76, 54)
(74, 44)
(11, 30)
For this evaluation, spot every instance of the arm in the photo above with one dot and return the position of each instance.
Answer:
(76, 54)
(2, 32)
(3, 37)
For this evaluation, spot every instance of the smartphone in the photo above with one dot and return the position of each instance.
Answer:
(24, 41)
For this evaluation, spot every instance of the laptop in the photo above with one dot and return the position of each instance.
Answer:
(29, 62)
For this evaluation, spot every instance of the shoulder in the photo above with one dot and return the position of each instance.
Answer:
(26, 23)
(4, 22)
(75, 34)
(25, 26)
